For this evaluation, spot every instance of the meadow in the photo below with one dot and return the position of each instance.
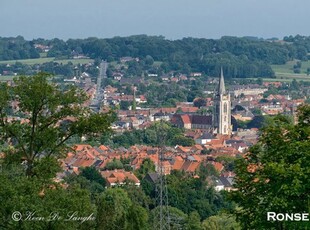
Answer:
(42, 60)
(6, 78)
(286, 72)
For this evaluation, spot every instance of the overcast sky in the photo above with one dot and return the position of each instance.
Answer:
(173, 19)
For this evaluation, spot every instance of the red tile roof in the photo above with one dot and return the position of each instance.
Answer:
(189, 109)
(81, 147)
(104, 148)
(186, 119)
(119, 176)
(218, 166)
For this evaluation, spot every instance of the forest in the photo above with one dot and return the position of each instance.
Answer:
(240, 57)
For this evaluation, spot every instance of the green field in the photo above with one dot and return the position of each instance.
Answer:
(288, 67)
(285, 72)
(46, 59)
(75, 61)
(6, 78)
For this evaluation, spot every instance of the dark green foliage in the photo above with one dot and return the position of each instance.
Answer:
(178, 219)
(150, 136)
(166, 95)
(114, 164)
(46, 127)
(124, 105)
(240, 57)
(17, 48)
(221, 222)
(80, 182)
(117, 211)
(256, 112)
(193, 221)
(256, 122)
(182, 140)
(146, 167)
(227, 161)
(24, 194)
(242, 124)
(200, 102)
(92, 174)
(193, 194)
(207, 170)
(274, 175)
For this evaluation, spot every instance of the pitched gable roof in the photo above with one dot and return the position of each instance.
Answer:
(201, 120)
(186, 119)
(119, 177)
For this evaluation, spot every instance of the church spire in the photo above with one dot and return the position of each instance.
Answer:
(221, 89)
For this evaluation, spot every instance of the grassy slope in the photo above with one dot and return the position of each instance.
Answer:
(6, 78)
(285, 72)
(45, 59)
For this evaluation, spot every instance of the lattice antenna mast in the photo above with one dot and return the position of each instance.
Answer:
(162, 217)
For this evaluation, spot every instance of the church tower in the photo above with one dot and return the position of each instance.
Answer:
(222, 110)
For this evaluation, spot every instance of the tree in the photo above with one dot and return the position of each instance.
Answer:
(113, 207)
(259, 81)
(181, 140)
(146, 167)
(220, 222)
(194, 221)
(273, 175)
(178, 219)
(92, 174)
(149, 60)
(116, 211)
(257, 112)
(295, 85)
(124, 105)
(114, 164)
(50, 117)
(22, 194)
(200, 102)
(80, 182)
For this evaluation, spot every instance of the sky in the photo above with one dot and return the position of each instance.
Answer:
(173, 19)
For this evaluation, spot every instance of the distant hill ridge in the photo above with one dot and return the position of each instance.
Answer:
(240, 57)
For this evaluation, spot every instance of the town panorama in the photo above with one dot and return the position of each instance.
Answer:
(142, 132)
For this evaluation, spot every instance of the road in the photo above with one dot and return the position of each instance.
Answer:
(99, 97)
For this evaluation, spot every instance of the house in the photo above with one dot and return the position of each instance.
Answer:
(189, 110)
(201, 122)
(191, 164)
(196, 74)
(188, 121)
(166, 167)
(161, 116)
(204, 138)
(240, 145)
(128, 59)
(227, 182)
(218, 166)
(177, 163)
(152, 177)
(224, 183)
(165, 78)
(218, 185)
(119, 177)
(242, 115)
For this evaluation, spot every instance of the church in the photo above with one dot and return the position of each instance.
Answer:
(222, 111)
(219, 122)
